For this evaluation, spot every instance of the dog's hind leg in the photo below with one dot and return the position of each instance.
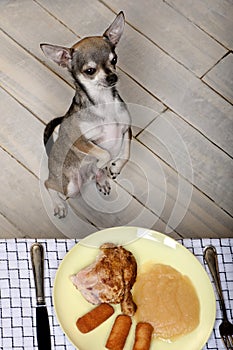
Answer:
(59, 203)
(71, 187)
(74, 185)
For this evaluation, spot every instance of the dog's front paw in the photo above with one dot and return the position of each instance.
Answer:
(114, 170)
(102, 182)
(104, 188)
(60, 210)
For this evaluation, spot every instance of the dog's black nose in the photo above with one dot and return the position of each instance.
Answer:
(111, 79)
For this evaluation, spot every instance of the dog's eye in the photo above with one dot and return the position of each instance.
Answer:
(114, 61)
(90, 71)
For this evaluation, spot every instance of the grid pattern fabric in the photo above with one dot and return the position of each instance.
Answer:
(18, 301)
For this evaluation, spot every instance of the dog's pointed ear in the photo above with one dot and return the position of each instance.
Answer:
(61, 55)
(115, 30)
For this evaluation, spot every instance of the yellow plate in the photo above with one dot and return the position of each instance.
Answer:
(145, 245)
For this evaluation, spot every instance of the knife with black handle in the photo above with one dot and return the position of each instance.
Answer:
(42, 320)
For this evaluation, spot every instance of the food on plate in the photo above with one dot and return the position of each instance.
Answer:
(119, 333)
(167, 300)
(143, 335)
(94, 318)
(109, 278)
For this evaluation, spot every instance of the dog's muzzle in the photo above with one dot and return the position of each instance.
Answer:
(111, 79)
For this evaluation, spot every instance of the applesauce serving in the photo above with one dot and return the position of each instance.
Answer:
(167, 300)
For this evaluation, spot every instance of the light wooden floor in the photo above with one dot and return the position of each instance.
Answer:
(176, 70)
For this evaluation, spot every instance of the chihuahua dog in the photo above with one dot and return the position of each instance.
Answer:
(94, 135)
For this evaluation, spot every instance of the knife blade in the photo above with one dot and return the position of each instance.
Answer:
(42, 320)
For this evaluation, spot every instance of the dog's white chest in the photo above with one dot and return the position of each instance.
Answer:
(111, 137)
(108, 127)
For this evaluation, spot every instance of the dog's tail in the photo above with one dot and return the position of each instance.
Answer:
(48, 132)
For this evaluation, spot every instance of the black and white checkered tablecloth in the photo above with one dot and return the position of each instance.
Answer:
(17, 302)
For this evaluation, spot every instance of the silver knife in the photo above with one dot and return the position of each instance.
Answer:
(42, 320)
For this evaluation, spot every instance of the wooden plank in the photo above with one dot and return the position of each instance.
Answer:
(24, 204)
(17, 126)
(215, 17)
(166, 79)
(33, 26)
(187, 210)
(192, 156)
(143, 107)
(178, 89)
(20, 200)
(173, 33)
(8, 230)
(30, 83)
(220, 77)
(83, 18)
(117, 209)
(205, 219)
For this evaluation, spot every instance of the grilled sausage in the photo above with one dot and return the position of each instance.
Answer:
(119, 333)
(94, 318)
(143, 334)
